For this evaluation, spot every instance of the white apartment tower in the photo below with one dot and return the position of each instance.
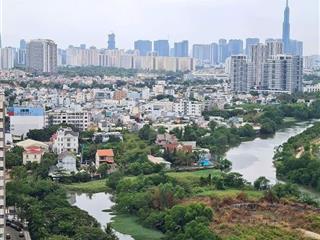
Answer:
(42, 56)
(239, 73)
(2, 166)
(284, 73)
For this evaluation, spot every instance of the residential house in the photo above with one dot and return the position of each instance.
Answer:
(32, 154)
(105, 156)
(159, 160)
(67, 162)
(65, 140)
(165, 139)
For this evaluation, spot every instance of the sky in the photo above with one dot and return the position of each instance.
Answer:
(72, 22)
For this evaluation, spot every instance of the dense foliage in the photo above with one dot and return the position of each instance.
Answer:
(298, 160)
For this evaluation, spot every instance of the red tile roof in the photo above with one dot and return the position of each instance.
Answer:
(105, 153)
(34, 150)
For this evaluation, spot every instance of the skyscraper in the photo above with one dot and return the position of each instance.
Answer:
(2, 166)
(111, 41)
(7, 55)
(284, 73)
(286, 29)
(249, 43)
(181, 49)
(23, 44)
(161, 47)
(238, 73)
(223, 50)
(42, 56)
(214, 53)
(235, 47)
(144, 47)
(201, 52)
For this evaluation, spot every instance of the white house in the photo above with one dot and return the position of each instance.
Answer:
(67, 162)
(65, 140)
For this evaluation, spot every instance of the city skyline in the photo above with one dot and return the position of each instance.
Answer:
(180, 29)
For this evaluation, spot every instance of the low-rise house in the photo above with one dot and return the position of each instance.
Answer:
(165, 139)
(67, 162)
(32, 143)
(105, 156)
(159, 160)
(32, 154)
(178, 147)
(103, 137)
(65, 140)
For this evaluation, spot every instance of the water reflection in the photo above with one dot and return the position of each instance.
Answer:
(255, 158)
(95, 204)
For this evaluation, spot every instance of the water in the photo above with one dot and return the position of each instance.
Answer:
(255, 158)
(94, 204)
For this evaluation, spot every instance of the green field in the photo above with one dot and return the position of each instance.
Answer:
(88, 187)
(230, 193)
(128, 225)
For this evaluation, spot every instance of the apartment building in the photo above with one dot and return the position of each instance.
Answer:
(78, 119)
(2, 166)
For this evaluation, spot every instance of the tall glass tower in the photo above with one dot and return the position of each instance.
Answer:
(286, 29)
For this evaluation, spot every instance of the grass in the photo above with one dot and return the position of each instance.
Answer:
(194, 176)
(232, 193)
(88, 187)
(128, 225)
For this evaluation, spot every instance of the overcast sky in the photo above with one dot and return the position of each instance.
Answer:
(200, 21)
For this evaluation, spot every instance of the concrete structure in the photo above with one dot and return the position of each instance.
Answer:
(42, 56)
(143, 46)
(250, 42)
(7, 58)
(181, 49)
(79, 119)
(159, 160)
(67, 162)
(161, 47)
(188, 108)
(65, 140)
(24, 119)
(104, 156)
(286, 29)
(2, 167)
(238, 73)
(283, 73)
(111, 41)
(201, 53)
(32, 154)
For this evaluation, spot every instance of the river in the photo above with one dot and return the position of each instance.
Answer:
(252, 159)
(255, 158)
(94, 205)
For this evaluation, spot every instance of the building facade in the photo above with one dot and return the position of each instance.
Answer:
(79, 119)
(65, 140)
(2, 166)
(24, 119)
(143, 46)
(162, 48)
(42, 56)
(239, 73)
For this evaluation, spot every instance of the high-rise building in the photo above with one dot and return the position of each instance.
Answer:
(214, 54)
(143, 46)
(283, 73)
(83, 46)
(238, 73)
(7, 57)
(201, 53)
(162, 48)
(249, 43)
(181, 49)
(296, 48)
(223, 51)
(62, 57)
(42, 56)
(274, 47)
(286, 29)
(2, 166)
(235, 47)
(111, 41)
(23, 44)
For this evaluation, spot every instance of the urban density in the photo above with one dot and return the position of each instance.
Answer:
(167, 140)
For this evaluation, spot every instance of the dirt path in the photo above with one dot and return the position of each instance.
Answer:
(309, 234)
